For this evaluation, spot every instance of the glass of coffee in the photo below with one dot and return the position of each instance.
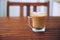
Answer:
(37, 21)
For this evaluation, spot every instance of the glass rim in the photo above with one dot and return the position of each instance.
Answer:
(39, 14)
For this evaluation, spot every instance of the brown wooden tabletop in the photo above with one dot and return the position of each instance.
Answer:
(16, 28)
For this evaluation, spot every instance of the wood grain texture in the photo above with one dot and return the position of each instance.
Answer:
(18, 29)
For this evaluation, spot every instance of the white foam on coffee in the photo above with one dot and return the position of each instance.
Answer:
(38, 14)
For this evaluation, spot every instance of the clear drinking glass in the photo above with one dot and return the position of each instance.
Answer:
(37, 21)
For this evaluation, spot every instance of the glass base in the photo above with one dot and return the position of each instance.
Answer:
(39, 30)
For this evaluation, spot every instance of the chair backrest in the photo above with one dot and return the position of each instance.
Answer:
(22, 4)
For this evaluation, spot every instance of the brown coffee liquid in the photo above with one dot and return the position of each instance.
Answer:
(38, 21)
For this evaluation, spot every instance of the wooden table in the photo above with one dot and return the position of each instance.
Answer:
(17, 29)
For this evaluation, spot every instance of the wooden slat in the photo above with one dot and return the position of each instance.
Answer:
(21, 10)
(28, 3)
(48, 6)
(35, 8)
(28, 10)
(7, 9)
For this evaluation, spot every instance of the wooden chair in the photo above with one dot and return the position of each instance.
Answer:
(22, 4)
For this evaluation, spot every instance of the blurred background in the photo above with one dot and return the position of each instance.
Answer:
(15, 10)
